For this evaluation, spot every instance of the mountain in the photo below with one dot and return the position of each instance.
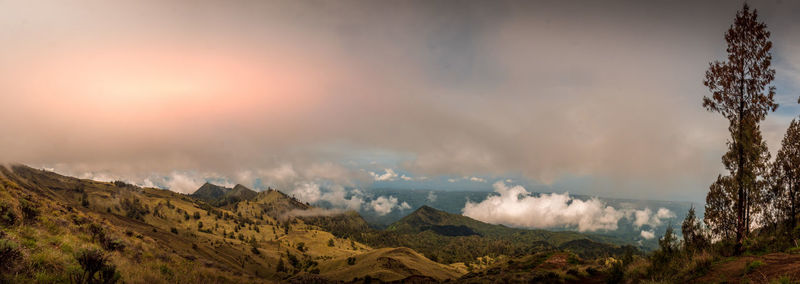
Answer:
(221, 196)
(55, 228)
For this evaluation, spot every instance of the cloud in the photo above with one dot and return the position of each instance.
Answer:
(646, 217)
(451, 180)
(477, 179)
(515, 206)
(336, 195)
(478, 87)
(431, 197)
(384, 205)
(647, 235)
(388, 175)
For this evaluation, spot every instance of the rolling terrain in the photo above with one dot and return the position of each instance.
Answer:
(51, 223)
(56, 228)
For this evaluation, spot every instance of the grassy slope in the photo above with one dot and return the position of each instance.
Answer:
(153, 252)
(388, 264)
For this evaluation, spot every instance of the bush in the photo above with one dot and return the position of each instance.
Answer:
(134, 208)
(330, 243)
(95, 268)
(28, 208)
(301, 246)
(7, 215)
(173, 230)
(9, 255)
(351, 260)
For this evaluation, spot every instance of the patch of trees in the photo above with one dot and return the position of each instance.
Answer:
(134, 208)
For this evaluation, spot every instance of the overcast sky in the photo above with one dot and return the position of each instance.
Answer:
(591, 97)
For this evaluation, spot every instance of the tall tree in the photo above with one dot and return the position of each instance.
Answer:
(787, 171)
(741, 92)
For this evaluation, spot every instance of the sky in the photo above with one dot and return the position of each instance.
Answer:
(586, 97)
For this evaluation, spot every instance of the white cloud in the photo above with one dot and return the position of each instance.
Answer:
(336, 196)
(515, 206)
(647, 235)
(647, 217)
(307, 192)
(184, 183)
(451, 180)
(664, 213)
(384, 205)
(477, 179)
(388, 175)
(431, 197)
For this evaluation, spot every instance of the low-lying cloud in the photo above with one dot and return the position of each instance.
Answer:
(515, 206)
(384, 205)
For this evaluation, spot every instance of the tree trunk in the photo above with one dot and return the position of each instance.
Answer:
(740, 159)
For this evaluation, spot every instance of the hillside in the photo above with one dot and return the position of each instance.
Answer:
(451, 238)
(52, 225)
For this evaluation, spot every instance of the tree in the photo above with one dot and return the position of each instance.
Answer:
(741, 92)
(694, 238)
(786, 172)
(720, 216)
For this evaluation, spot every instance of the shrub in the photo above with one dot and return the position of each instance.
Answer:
(134, 208)
(28, 208)
(301, 246)
(351, 260)
(174, 230)
(112, 244)
(85, 200)
(9, 255)
(95, 268)
(330, 243)
(7, 215)
(617, 272)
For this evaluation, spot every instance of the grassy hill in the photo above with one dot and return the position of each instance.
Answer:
(61, 229)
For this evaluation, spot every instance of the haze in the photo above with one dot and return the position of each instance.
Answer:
(602, 99)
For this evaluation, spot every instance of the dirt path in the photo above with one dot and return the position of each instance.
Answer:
(775, 265)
